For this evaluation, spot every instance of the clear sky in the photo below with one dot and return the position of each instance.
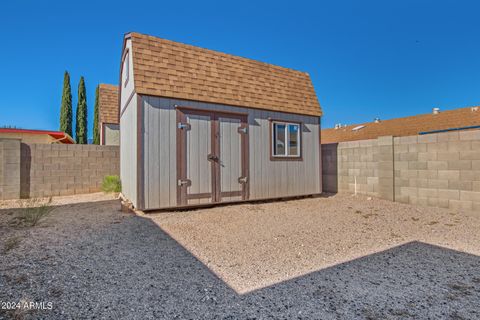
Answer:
(367, 59)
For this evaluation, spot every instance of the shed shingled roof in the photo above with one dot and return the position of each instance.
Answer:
(171, 69)
(408, 126)
(108, 103)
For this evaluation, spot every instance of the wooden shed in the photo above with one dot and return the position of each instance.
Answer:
(108, 114)
(200, 127)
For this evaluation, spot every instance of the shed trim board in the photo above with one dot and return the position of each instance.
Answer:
(140, 156)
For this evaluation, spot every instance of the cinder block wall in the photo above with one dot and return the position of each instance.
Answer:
(441, 169)
(57, 169)
(43, 170)
(357, 167)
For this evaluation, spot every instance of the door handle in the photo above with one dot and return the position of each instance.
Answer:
(242, 180)
(212, 157)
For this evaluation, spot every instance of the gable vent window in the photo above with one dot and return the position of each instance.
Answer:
(126, 68)
(286, 140)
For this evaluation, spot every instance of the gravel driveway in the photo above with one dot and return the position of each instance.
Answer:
(92, 261)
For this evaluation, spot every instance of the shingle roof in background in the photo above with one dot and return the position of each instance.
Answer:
(405, 126)
(108, 103)
(171, 69)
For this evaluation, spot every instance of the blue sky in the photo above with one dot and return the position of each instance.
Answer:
(367, 59)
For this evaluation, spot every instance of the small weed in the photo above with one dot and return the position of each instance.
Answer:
(358, 211)
(32, 211)
(11, 244)
(431, 223)
(415, 218)
(111, 184)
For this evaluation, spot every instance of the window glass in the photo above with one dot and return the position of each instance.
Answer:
(293, 137)
(286, 139)
(279, 139)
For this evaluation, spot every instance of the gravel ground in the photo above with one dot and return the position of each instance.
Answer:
(326, 258)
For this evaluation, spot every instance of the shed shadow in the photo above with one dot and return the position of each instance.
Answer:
(138, 270)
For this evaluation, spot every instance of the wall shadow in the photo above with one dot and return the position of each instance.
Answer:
(25, 166)
(330, 168)
(130, 268)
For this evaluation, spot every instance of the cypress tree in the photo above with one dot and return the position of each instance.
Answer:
(81, 124)
(66, 106)
(96, 129)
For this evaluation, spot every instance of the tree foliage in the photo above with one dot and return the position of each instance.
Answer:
(66, 106)
(81, 120)
(96, 123)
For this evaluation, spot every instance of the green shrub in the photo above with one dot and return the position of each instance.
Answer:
(111, 184)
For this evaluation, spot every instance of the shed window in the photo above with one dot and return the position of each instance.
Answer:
(286, 139)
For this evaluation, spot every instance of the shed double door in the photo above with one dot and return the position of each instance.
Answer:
(212, 157)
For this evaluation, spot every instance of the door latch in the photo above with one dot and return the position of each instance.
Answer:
(242, 180)
(182, 182)
(182, 126)
(243, 130)
(212, 157)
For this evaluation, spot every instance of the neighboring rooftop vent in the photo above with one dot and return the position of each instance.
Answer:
(338, 126)
(377, 120)
(475, 109)
(435, 110)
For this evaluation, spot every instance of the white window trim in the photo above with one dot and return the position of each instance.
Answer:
(287, 139)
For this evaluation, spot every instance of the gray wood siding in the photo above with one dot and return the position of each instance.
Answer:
(128, 151)
(268, 179)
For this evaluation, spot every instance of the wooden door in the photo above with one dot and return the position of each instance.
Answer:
(195, 177)
(212, 157)
(232, 177)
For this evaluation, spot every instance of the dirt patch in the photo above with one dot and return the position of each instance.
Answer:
(256, 245)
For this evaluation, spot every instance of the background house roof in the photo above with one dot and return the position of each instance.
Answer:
(60, 136)
(404, 126)
(171, 69)
(108, 103)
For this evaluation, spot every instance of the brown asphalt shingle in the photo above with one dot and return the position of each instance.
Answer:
(171, 69)
(108, 103)
(407, 126)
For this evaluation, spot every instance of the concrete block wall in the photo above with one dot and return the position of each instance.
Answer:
(43, 170)
(357, 167)
(57, 169)
(441, 170)
(9, 169)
